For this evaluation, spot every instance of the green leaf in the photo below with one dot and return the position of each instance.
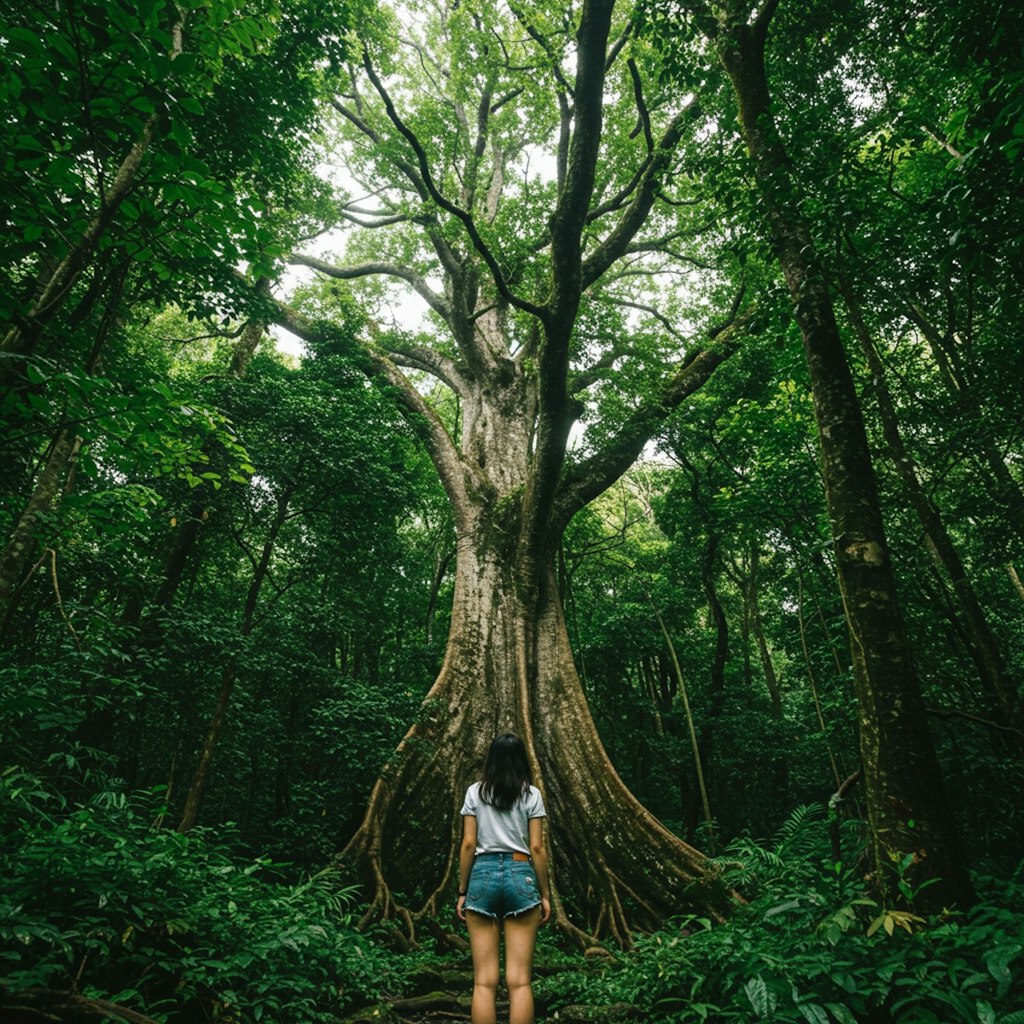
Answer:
(813, 1013)
(761, 998)
(841, 1013)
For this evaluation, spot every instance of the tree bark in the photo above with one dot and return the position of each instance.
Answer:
(995, 676)
(910, 819)
(1018, 585)
(63, 452)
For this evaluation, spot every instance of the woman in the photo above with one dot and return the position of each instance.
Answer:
(503, 877)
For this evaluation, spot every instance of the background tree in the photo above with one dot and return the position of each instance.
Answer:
(906, 803)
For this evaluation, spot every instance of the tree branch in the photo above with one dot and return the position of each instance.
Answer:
(403, 165)
(759, 29)
(430, 361)
(584, 481)
(616, 48)
(446, 204)
(454, 473)
(436, 302)
(378, 222)
(583, 379)
(616, 244)
(660, 317)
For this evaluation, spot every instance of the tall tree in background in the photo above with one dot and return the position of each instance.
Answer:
(911, 822)
(529, 278)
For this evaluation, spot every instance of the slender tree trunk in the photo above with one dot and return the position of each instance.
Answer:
(55, 284)
(993, 671)
(1006, 491)
(716, 683)
(695, 746)
(750, 589)
(229, 674)
(812, 680)
(18, 550)
(910, 817)
(191, 526)
(1018, 584)
(645, 673)
(752, 594)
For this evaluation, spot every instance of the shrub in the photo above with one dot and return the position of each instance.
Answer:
(807, 950)
(172, 925)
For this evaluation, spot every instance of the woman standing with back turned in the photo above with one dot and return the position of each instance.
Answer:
(503, 876)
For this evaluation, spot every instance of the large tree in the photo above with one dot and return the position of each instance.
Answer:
(520, 171)
(913, 836)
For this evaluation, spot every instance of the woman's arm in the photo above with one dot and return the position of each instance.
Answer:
(467, 851)
(539, 853)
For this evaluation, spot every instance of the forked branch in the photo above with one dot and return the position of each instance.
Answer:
(585, 481)
(441, 200)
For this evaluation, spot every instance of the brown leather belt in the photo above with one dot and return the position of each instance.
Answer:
(516, 855)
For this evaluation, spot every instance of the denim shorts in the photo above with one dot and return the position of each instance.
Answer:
(502, 887)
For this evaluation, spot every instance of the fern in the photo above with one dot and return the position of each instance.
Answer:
(797, 849)
(800, 835)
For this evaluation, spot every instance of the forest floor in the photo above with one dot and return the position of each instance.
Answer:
(440, 994)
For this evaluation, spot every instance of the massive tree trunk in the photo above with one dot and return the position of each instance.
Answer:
(911, 824)
(509, 667)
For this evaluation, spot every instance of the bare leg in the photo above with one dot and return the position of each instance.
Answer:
(483, 941)
(520, 939)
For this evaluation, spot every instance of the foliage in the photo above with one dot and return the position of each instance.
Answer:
(812, 947)
(906, 134)
(96, 893)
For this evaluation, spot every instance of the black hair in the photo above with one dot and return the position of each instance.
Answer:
(506, 772)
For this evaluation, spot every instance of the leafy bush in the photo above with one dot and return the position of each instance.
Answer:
(812, 952)
(170, 924)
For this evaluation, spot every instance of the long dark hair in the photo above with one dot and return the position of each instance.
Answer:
(506, 772)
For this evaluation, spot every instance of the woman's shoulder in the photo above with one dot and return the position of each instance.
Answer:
(533, 801)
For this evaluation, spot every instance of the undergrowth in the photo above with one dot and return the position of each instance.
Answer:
(97, 898)
(812, 946)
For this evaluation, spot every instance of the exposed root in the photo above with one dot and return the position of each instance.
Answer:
(58, 1005)
(618, 868)
(560, 920)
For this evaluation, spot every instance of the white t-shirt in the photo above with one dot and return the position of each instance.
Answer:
(503, 831)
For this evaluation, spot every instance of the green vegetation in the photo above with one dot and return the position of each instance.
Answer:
(810, 947)
(140, 915)
(698, 458)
